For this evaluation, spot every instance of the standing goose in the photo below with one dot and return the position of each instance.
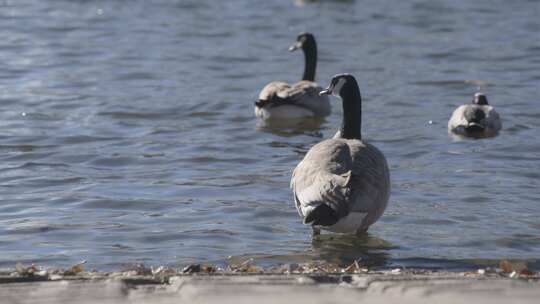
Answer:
(342, 184)
(477, 119)
(279, 100)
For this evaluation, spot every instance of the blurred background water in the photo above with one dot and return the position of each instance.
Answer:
(127, 132)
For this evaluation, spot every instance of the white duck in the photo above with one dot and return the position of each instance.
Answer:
(342, 184)
(279, 100)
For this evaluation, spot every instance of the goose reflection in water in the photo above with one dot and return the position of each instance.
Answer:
(290, 128)
(344, 249)
(334, 249)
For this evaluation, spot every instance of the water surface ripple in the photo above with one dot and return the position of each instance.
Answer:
(128, 135)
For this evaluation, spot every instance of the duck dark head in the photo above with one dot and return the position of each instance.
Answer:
(480, 99)
(346, 87)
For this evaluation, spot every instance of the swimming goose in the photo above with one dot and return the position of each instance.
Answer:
(279, 100)
(477, 119)
(342, 184)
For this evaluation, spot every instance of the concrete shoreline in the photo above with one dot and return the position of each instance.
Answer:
(375, 287)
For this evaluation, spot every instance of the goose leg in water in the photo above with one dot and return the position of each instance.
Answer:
(361, 232)
(316, 231)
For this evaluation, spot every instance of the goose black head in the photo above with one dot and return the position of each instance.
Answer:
(306, 42)
(480, 99)
(303, 41)
(346, 87)
(338, 83)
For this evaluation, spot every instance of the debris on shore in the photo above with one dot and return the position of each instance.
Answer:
(161, 274)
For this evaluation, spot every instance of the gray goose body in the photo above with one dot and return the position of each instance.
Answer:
(342, 184)
(477, 119)
(279, 100)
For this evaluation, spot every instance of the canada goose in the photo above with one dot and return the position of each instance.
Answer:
(477, 119)
(342, 184)
(279, 100)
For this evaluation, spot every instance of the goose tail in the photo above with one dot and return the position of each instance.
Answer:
(474, 127)
(322, 215)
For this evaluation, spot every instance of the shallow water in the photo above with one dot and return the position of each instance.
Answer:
(128, 135)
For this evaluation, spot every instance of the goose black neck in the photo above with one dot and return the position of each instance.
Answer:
(310, 56)
(352, 110)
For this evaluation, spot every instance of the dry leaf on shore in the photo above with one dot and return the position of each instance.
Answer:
(354, 268)
(29, 271)
(506, 266)
(75, 269)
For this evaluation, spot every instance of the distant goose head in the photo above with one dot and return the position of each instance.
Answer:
(306, 42)
(346, 87)
(476, 116)
(480, 99)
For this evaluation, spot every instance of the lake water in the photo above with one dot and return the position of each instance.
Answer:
(127, 132)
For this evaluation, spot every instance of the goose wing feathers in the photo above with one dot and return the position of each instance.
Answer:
(371, 181)
(304, 91)
(347, 175)
(492, 118)
(274, 89)
(303, 94)
(323, 176)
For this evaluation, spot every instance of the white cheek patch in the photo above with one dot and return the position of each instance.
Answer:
(337, 88)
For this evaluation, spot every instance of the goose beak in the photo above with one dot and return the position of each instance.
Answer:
(295, 47)
(327, 91)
